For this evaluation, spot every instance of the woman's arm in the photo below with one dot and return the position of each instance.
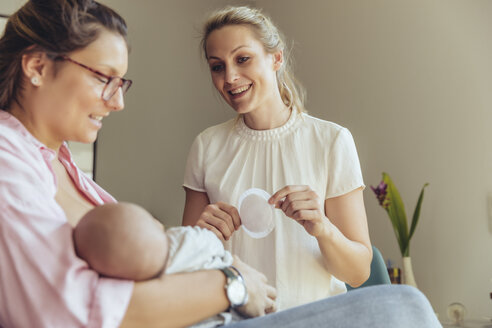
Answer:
(176, 300)
(195, 203)
(340, 228)
(220, 218)
(180, 300)
(345, 243)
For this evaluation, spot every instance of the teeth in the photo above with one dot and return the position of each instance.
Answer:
(239, 90)
(95, 117)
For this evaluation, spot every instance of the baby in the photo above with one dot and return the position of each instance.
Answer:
(123, 240)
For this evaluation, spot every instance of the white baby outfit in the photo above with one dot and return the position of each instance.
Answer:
(229, 158)
(193, 248)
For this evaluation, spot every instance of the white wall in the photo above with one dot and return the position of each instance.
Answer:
(412, 80)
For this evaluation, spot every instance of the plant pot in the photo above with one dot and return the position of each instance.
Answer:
(408, 277)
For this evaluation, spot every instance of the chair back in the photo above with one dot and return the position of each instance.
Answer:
(379, 272)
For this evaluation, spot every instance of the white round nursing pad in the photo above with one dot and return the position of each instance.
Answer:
(256, 213)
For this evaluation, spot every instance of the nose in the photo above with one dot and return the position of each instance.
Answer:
(116, 102)
(231, 74)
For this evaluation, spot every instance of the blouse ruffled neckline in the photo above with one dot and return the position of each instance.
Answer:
(269, 134)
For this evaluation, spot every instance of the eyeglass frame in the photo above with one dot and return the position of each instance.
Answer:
(124, 84)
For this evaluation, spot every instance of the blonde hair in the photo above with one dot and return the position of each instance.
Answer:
(291, 91)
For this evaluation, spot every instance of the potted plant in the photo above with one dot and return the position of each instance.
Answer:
(389, 198)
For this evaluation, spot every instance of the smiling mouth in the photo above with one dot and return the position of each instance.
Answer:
(96, 117)
(240, 90)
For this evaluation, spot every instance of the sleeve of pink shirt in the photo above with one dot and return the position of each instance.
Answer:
(42, 281)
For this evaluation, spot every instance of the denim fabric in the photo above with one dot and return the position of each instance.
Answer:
(382, 306)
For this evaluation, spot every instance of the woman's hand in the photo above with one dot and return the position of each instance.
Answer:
(302, 204)
(261, 296)
(220, 218)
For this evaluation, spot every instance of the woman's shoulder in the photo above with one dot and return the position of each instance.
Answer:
(218, 130)
(324, 127)
(14, 138)
(22, 163)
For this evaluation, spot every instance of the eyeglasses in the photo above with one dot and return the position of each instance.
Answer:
(112, 82)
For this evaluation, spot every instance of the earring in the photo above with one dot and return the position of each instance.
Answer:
(35, 80)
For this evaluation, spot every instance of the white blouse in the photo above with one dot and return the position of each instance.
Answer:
(229, 158)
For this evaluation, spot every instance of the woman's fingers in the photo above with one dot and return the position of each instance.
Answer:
(271, 292)
(285, 191)
(302, 204)
(232, 212)
(210, 220)
(210, 227)
(261, 295)
(294, 199)
(220, 218)
(271, 307)
(290, 207)
(306, 215)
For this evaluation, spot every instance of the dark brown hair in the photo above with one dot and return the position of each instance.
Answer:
(54, 26)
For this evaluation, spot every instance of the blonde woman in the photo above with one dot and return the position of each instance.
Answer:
(310, 167)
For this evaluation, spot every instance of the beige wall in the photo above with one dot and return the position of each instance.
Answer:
(7, 7)
(412, 80)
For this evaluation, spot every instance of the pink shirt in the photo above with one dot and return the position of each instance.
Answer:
(42, 282)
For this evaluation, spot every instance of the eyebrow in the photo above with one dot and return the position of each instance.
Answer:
(233, 51)
(111, 70)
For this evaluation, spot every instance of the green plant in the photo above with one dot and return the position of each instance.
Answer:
(389, 198)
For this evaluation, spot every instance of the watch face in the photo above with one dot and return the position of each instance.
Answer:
(236, 293)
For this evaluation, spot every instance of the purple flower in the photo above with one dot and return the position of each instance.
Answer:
(382, 194)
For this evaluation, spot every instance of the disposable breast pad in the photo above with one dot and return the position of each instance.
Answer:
(256, 213)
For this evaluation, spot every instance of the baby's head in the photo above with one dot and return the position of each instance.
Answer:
(121, 240)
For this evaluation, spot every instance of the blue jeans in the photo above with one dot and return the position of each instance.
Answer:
(383, 306)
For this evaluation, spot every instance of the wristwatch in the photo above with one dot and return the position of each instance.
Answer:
(235, 287)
